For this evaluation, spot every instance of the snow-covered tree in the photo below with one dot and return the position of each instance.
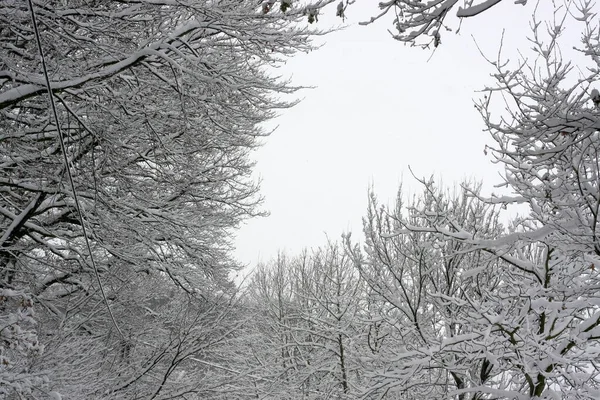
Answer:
(420, 281)
(158, 104)
(310, 306)
(271, 298)
(415, 20)
(520, 319)
(549, 147)
(331, 296)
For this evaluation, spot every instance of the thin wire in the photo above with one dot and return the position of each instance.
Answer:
(68, 169)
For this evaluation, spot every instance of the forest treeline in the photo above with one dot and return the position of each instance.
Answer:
(125, 134)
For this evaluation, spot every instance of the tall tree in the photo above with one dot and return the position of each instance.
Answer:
(420, 284)
(158, 104)
(526, 299)
(310, 305)
(549, 149)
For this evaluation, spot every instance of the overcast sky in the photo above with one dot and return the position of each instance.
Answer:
(378, 108)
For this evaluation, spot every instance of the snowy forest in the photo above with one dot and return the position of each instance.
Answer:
(127, 131)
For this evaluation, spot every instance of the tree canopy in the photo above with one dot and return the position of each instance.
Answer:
(414, 20)
(125, 138)
(158, 105)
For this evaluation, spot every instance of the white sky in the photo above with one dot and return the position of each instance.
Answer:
(378, 107)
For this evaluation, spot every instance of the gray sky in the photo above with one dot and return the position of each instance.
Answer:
(378, 107)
